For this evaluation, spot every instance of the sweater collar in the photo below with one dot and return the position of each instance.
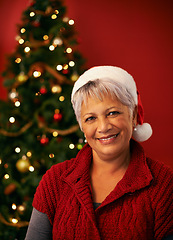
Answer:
(137, 176)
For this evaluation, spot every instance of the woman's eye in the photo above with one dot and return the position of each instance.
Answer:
(89, 119)
(113, 113)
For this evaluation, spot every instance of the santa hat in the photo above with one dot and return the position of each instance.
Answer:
(142, 131)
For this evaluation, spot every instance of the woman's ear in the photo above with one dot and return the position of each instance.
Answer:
(135, 113)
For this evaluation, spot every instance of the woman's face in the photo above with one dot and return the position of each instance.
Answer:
(107, 126)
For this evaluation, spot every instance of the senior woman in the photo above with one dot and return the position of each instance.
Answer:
(111, 190)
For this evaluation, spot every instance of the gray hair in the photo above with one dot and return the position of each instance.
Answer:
(98, 88)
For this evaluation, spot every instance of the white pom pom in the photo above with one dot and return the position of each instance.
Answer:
(142, 132)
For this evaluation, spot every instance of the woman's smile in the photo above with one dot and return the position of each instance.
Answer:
(107, 126)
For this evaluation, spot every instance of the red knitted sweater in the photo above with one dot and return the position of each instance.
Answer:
(139, 208)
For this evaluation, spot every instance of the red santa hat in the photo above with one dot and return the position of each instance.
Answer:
(142, 131)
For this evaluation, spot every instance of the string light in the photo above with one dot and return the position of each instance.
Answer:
(56, 11)
(31, 169)
(17, 103)
(32, 14)
(56, 89)
(58, 41)
(14, 220)
(71, 146)
(14, 206)
(51, 155)
(21, 41)
(17, 150)
(36, 74)
(71, 63)
(12, 119)
(65, 66)
(27, 49)
(59, 67)
(29, 154)
(51, 47)
(21, 208)
(71, 22)
(54, 16)
(0, 161)
(22, 30)
(61, 98)
(13, 94)
(68, 50)
(45, 37)
(6, 176)
(18, 60)
(79, 146)
(55, 134)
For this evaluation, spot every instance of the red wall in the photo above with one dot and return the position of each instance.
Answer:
(135, 35)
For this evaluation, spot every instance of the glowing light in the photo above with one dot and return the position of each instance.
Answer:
(65, 19)
(36, 74)
(71, 146)
(29, 154)
(22, 30)
(65, 67)
(61, 98)
(6, 176)
(59, 67)
(31, 169)
(56, 11)
(79, 146)
(71, 22)
(13, 94)
(17, 104)
(27, 49)
(32, 14)
(21, 208)
(18, 60)
(51, 155)
(54, 16)
(68, 50)
(45, 37)
(21, 41)
(58, 41)
(51, 48)
(17, 149)
(14, 220)
(0, 161)
(56, 89)
(55, 134)
(71, 63)
(12, 119)
(14, 206)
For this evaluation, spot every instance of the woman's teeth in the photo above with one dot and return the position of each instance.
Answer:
(105, 139)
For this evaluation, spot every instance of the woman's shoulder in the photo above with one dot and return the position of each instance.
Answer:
(159, 169)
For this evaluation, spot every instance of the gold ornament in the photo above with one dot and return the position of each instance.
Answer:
(22, 165)
(21, 78)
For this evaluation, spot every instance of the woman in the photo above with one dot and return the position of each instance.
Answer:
(111, 190)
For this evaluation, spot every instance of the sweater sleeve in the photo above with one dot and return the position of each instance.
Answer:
(163, 202)
(46, 195)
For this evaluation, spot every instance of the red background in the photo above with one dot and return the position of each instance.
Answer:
(135, 35)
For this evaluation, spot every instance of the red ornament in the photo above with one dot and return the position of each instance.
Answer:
(44, 140)
(43, 90)
(57, 117)
(36, 24)
(65, 71)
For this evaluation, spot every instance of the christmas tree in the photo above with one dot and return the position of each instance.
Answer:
(37, 123)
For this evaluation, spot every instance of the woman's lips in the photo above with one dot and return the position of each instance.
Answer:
(108, 138)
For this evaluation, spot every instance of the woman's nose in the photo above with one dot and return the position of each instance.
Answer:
(103, 125)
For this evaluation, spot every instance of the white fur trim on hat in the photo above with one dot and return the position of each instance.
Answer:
(115, 73)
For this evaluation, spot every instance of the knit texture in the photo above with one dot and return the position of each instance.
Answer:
(140, 206)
